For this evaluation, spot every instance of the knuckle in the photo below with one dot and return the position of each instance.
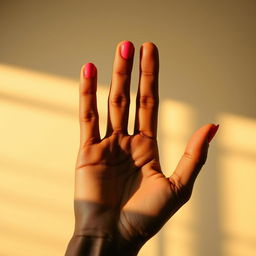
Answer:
(118, 131)
(198, 159)
(147, 134)
(119, 100)
(88, 116)
(87, 89)
(122, 73)
(151, 78)
(87, 93)
(147, 101)
(147, 73)
(188, 155)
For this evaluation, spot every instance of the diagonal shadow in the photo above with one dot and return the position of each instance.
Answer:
(36, 103)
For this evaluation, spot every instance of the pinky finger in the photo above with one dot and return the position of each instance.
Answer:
(88, 113)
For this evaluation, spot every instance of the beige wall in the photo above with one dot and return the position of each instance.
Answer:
(207, 74)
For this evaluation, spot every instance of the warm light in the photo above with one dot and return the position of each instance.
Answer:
(237, 167)
(39, 145)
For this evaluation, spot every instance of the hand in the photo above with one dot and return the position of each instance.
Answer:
(121, 193)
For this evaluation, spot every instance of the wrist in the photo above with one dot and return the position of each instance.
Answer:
(96, 232)
(88, 245)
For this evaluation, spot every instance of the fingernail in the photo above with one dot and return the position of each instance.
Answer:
(89, 70)
(212, 132)
(127, 50)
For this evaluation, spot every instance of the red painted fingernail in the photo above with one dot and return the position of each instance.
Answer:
(212, 132)
(127, 50)
(89, 70)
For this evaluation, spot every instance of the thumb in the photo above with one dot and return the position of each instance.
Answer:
(194, 156)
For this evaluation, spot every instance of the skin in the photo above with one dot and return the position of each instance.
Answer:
(120, 190)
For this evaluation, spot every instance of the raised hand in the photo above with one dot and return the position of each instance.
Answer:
(122, 198)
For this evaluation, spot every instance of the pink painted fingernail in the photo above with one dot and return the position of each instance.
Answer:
(89, 70)
(212, 132)
(127, 50)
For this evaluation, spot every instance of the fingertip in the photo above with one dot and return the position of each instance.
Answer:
(124, 41)
(150, 45)
(148, 48)
(201, 137)
(126, 49)
(89, 70)
(88, 78)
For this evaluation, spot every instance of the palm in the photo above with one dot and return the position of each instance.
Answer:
(120, 187)
(134, 185)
